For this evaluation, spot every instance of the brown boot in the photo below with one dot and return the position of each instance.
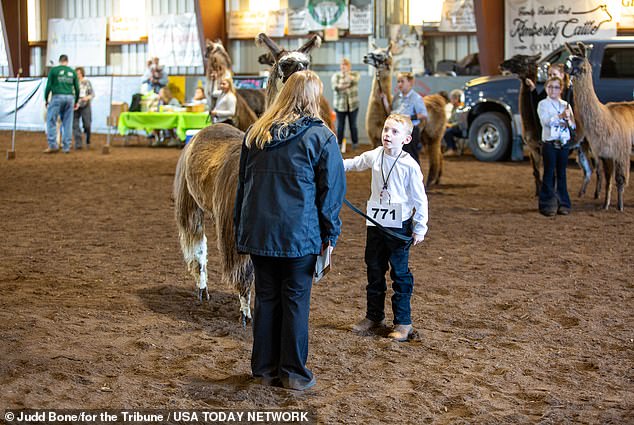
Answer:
(400, 333)
(366, 325)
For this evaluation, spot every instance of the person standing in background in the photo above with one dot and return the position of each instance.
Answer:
(63, 86)
(83, 111)
(345, 86)
(409, 103)
(155, 75)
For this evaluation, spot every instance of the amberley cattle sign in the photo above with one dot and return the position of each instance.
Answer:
(540, 26)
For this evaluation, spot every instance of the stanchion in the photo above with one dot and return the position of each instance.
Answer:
(11, 153)
(105, 150)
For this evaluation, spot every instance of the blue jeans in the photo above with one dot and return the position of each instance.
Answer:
(450, 135)
(352, 121)
(554, 191)
(381, 250)
(280, 318)
(60, 105)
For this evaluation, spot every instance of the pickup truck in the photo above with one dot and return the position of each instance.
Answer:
(490, 117)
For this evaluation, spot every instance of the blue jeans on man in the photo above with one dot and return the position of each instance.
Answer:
(451, 133)
(280, 319)
(381, 251)
(60, 105)
(341, 125)
(553, 195)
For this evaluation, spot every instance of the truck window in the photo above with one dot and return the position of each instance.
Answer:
(618, 62)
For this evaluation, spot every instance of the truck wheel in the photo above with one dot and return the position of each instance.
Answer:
(490, 137)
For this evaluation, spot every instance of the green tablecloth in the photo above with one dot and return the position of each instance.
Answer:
(148, 121)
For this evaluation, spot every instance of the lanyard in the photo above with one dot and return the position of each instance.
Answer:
(385, 180)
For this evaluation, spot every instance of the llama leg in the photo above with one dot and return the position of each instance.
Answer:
(245, 308)
(608, 172)
(597, 166)
(200, 253)
(620, 183)
(536, 161)
(582, 159)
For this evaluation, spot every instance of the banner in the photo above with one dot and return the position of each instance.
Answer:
(82, 40)
(4, 60)
(246, 23)
(174, 40)
(327, 13)
(298, 21)
(361, 16)
(627, 14)
(540, 26)
(126, 28)
(457, 16)
(407, 53)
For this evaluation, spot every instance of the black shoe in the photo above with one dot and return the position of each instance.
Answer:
(548, 213)
(563, 211)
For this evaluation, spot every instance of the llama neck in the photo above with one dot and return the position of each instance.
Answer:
(587, 105)
(382, 83)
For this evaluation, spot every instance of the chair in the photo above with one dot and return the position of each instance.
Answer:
(112, 121)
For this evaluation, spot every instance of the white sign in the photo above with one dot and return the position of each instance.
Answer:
(247, 24)
(407, 53)
(82, 40)
(540, 26)
(627, 14)
(361, 17)
(275, 23)
(457, 16)
(174, 40)
(126, 28)
(298, 21)
(387, 215)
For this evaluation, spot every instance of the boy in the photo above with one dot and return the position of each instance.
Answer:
(410, 103)
(398, 201)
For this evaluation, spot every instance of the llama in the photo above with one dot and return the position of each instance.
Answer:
(379, 106)
(286, 63)
(525, 67)
(609, 127)
(218, 66)
(205, 183)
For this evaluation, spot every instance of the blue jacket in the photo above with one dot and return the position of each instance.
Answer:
(290, 193)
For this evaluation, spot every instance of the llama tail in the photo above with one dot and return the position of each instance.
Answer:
(191, 227)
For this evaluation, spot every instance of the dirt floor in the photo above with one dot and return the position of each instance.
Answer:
(520, 318)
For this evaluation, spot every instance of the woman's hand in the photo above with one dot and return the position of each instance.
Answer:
(530, 84)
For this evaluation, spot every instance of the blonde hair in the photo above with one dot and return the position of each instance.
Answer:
(558, 80)
(346, 61)
(403, 119)
(298, 98)
(560, 67)
(408, 75)
(229, 80)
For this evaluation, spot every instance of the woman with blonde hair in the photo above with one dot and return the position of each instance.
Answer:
(225, 109)
(291, 186)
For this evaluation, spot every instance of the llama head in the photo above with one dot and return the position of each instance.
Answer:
(288, 62)
(217, 57)
(380, 58)
(525, 66)
(577, 63)
(266, 59)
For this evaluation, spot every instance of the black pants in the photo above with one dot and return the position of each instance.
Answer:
(280, 319)
(341, 125)
(85, 115)
(414, 147)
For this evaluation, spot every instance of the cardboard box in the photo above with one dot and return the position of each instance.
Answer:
(197, 107)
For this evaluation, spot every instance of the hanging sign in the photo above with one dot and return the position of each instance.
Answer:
(126, 28)
(327, 13)
(82, 40)
(457, 16)
(540, 26)
(174, 40)
(361, 16)
(246, 23)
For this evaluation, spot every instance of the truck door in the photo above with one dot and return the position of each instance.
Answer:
(615, 82)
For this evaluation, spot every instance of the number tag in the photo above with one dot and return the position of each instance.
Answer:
(388, 215)
(555, 132)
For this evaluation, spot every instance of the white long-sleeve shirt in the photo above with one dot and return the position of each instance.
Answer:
(548, 111)
(225, 107)
(405, 183)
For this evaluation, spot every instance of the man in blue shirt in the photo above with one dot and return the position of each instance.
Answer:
(410, 103)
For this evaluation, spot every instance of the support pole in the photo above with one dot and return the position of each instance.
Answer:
(106, 148)
(11, 153)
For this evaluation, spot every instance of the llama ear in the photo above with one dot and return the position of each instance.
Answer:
(263, 39)
(570, 49)
(536, 57)
(389, 47)
(315, 41)
(582, 49)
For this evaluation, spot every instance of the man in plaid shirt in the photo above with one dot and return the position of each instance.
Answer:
(345, 86)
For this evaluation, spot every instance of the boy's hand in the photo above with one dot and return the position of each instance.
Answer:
(417, 238)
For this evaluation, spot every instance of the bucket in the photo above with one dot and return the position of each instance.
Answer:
(189, 134)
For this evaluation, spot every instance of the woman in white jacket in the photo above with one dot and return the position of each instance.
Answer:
(225, 108)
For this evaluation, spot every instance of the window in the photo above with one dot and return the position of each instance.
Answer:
(618, 62)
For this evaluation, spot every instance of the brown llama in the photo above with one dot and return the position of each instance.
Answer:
(525, 67)
(205, 184)
(219, 65)
(379, 106)
(609, 127)
(287, 62)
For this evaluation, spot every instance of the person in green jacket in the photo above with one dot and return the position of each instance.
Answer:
(63, 85)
